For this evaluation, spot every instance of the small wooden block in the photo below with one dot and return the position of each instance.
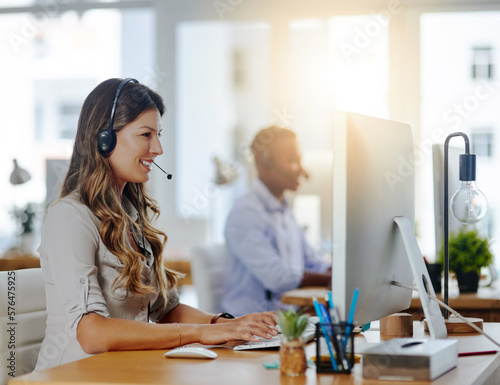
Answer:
(398, 324)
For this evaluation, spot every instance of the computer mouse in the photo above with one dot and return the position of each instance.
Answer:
(190, 352)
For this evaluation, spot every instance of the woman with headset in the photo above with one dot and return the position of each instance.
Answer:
(106, 285)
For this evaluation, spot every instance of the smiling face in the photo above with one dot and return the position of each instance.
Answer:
(137, 144)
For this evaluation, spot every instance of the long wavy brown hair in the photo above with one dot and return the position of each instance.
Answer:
(90, 174)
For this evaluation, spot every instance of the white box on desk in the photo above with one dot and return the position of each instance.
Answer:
(410, 359)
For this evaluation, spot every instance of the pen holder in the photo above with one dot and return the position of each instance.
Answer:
(341, 346)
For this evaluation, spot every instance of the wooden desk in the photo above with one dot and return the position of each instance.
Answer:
(303, 296)
(179, 260)
(182, 266)
(485, 304)
(17, 263)
(246, 367)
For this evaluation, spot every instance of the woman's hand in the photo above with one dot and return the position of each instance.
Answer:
(249, 327)
(268, 318)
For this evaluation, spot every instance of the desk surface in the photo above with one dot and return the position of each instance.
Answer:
(486, 297)
(26, 262)
(246, 367)
(304, 296)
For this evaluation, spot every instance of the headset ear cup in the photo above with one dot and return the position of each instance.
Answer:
(266, 158)
(106, 142)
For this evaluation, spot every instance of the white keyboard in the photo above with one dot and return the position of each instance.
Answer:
(275, 341)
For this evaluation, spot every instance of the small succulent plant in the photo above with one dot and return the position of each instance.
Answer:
(292, 323)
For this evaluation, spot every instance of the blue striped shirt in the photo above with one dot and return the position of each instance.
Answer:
(268, 253)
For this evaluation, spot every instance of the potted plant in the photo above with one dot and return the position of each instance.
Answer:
(468, 253)
(292, 354)
(25, 218)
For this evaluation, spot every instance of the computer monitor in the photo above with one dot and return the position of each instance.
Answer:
(374, 183)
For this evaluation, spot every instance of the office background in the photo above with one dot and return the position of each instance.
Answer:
(227, 68)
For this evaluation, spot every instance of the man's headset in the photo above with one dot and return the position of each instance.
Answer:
(106, 141)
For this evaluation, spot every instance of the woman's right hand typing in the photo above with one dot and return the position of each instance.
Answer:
(250, 327)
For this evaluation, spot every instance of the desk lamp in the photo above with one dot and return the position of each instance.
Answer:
(468, 205)
(19, 175)
(225, 173)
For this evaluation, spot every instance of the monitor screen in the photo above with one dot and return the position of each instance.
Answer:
(373, 182)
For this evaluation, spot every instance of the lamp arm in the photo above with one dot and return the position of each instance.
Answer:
(446, 266)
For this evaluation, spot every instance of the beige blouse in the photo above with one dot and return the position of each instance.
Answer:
(79, 272)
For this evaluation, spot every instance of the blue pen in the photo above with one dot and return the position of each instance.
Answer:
(335, 333)
(325, 332)
(350, 319)
(327, 322)
(334, 314)
(330, 299)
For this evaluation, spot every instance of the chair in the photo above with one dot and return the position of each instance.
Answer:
(22, 318)
(208, 267)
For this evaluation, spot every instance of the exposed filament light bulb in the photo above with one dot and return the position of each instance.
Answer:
(468, 204)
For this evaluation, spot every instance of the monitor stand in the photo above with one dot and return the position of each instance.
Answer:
(433, 315)
(400, 355)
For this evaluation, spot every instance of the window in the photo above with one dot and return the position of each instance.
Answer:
(51, 68)
(68, 119)
(458, 47)
(482, 142)
(220, 104)
(482, 66)
(58, 103)
(331, 70)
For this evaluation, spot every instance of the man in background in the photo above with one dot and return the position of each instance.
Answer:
(268, 252)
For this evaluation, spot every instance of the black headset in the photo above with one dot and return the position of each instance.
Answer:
(106, 141)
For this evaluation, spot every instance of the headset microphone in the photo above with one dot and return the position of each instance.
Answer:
(169, 176)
